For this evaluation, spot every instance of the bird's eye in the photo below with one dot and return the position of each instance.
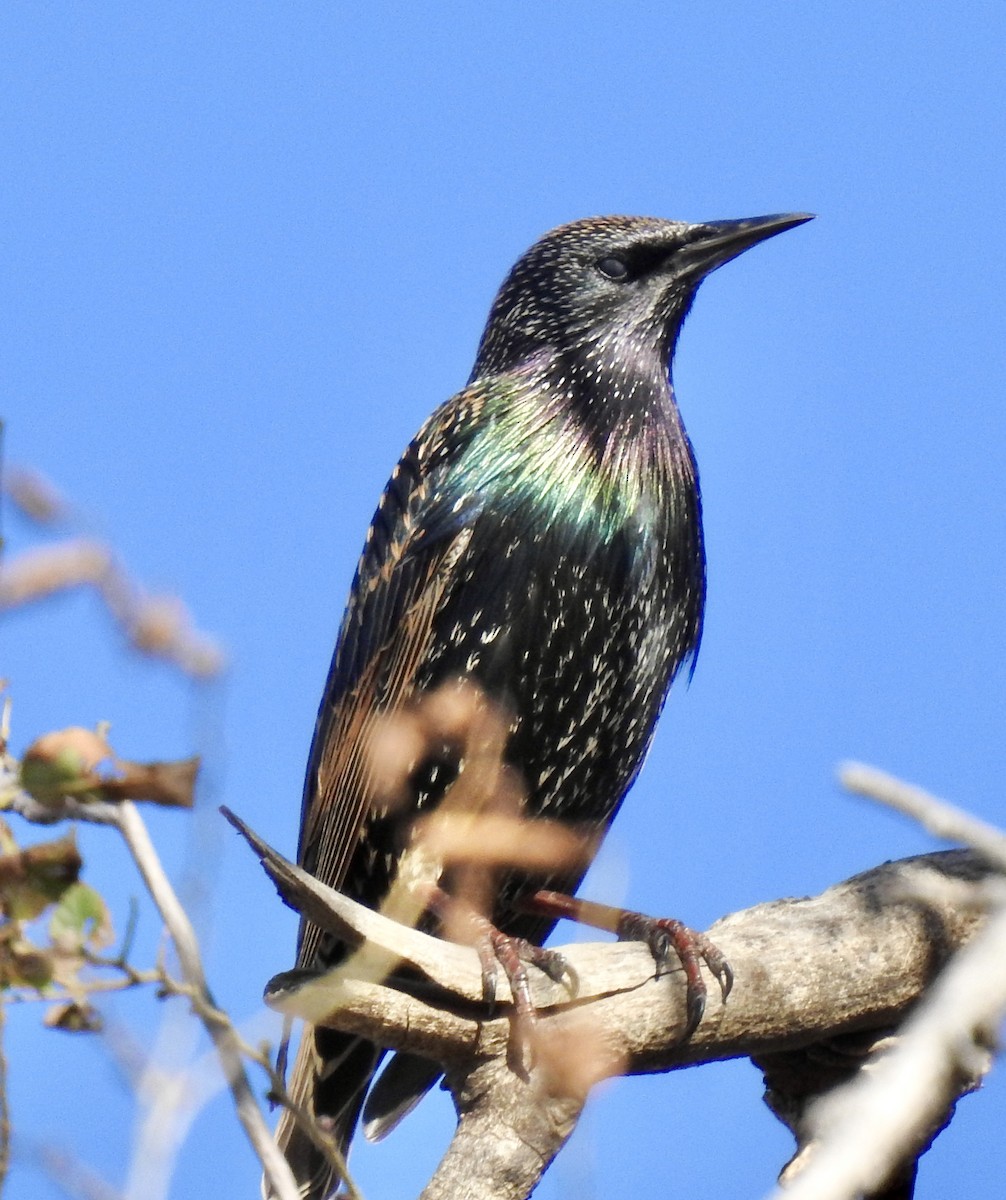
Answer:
(614, 268)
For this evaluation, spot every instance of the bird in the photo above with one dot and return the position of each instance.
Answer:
(540, 539)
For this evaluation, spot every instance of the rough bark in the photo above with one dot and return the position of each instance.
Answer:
(839, 969)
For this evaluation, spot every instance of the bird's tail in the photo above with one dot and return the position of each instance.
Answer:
(330, 1078)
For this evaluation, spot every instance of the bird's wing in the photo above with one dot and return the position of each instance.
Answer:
(418, 537)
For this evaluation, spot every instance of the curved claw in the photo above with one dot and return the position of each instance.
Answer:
(573, 976)
(662, 935)
(659, 942)
(556, 967)
(695, 1007)
(724, 977)
(490, 973)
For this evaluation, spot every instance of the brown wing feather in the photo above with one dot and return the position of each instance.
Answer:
(344, 794)
(402, 580)
(408, 565)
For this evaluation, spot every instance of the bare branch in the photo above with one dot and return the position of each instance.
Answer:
(72, 1177)
(4, 1106)
(14, 798)
(160, 626)
(130, 824)
(858, 1137)
(37, 497)
(941, 819)
(855, 958)
(865, 1129)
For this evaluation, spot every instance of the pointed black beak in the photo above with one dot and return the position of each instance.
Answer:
(711, 245)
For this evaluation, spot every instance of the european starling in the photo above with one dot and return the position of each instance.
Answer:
(541, 537)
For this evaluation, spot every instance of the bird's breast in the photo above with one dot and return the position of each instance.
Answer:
(539, 465)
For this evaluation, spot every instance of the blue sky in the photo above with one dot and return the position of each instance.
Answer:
(247, 248)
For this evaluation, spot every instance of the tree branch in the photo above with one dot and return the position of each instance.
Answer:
(864, 1136)
(125, 817)
(133, 830)
(855, 958)
(941, 819)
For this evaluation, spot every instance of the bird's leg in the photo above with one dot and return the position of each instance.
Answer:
(661, 934)
(498, 949)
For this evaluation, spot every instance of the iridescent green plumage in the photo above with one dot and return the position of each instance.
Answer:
(529, 453)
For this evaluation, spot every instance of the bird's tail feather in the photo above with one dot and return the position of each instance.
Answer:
(330, 1078)
(400, 1086)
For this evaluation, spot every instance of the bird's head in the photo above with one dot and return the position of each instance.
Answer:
(611, 280)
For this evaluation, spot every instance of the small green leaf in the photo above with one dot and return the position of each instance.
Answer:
(81, 918)
(48, 780)
(62, 764)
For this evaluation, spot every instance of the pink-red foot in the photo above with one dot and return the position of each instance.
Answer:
(662, 934)
(497, 949)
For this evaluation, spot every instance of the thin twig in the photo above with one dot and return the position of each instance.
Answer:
(159, 626)
(229, 1045)
(69, 1174)
(941, 819)
(130, 824)
(4, 1106)
(302, 1117)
